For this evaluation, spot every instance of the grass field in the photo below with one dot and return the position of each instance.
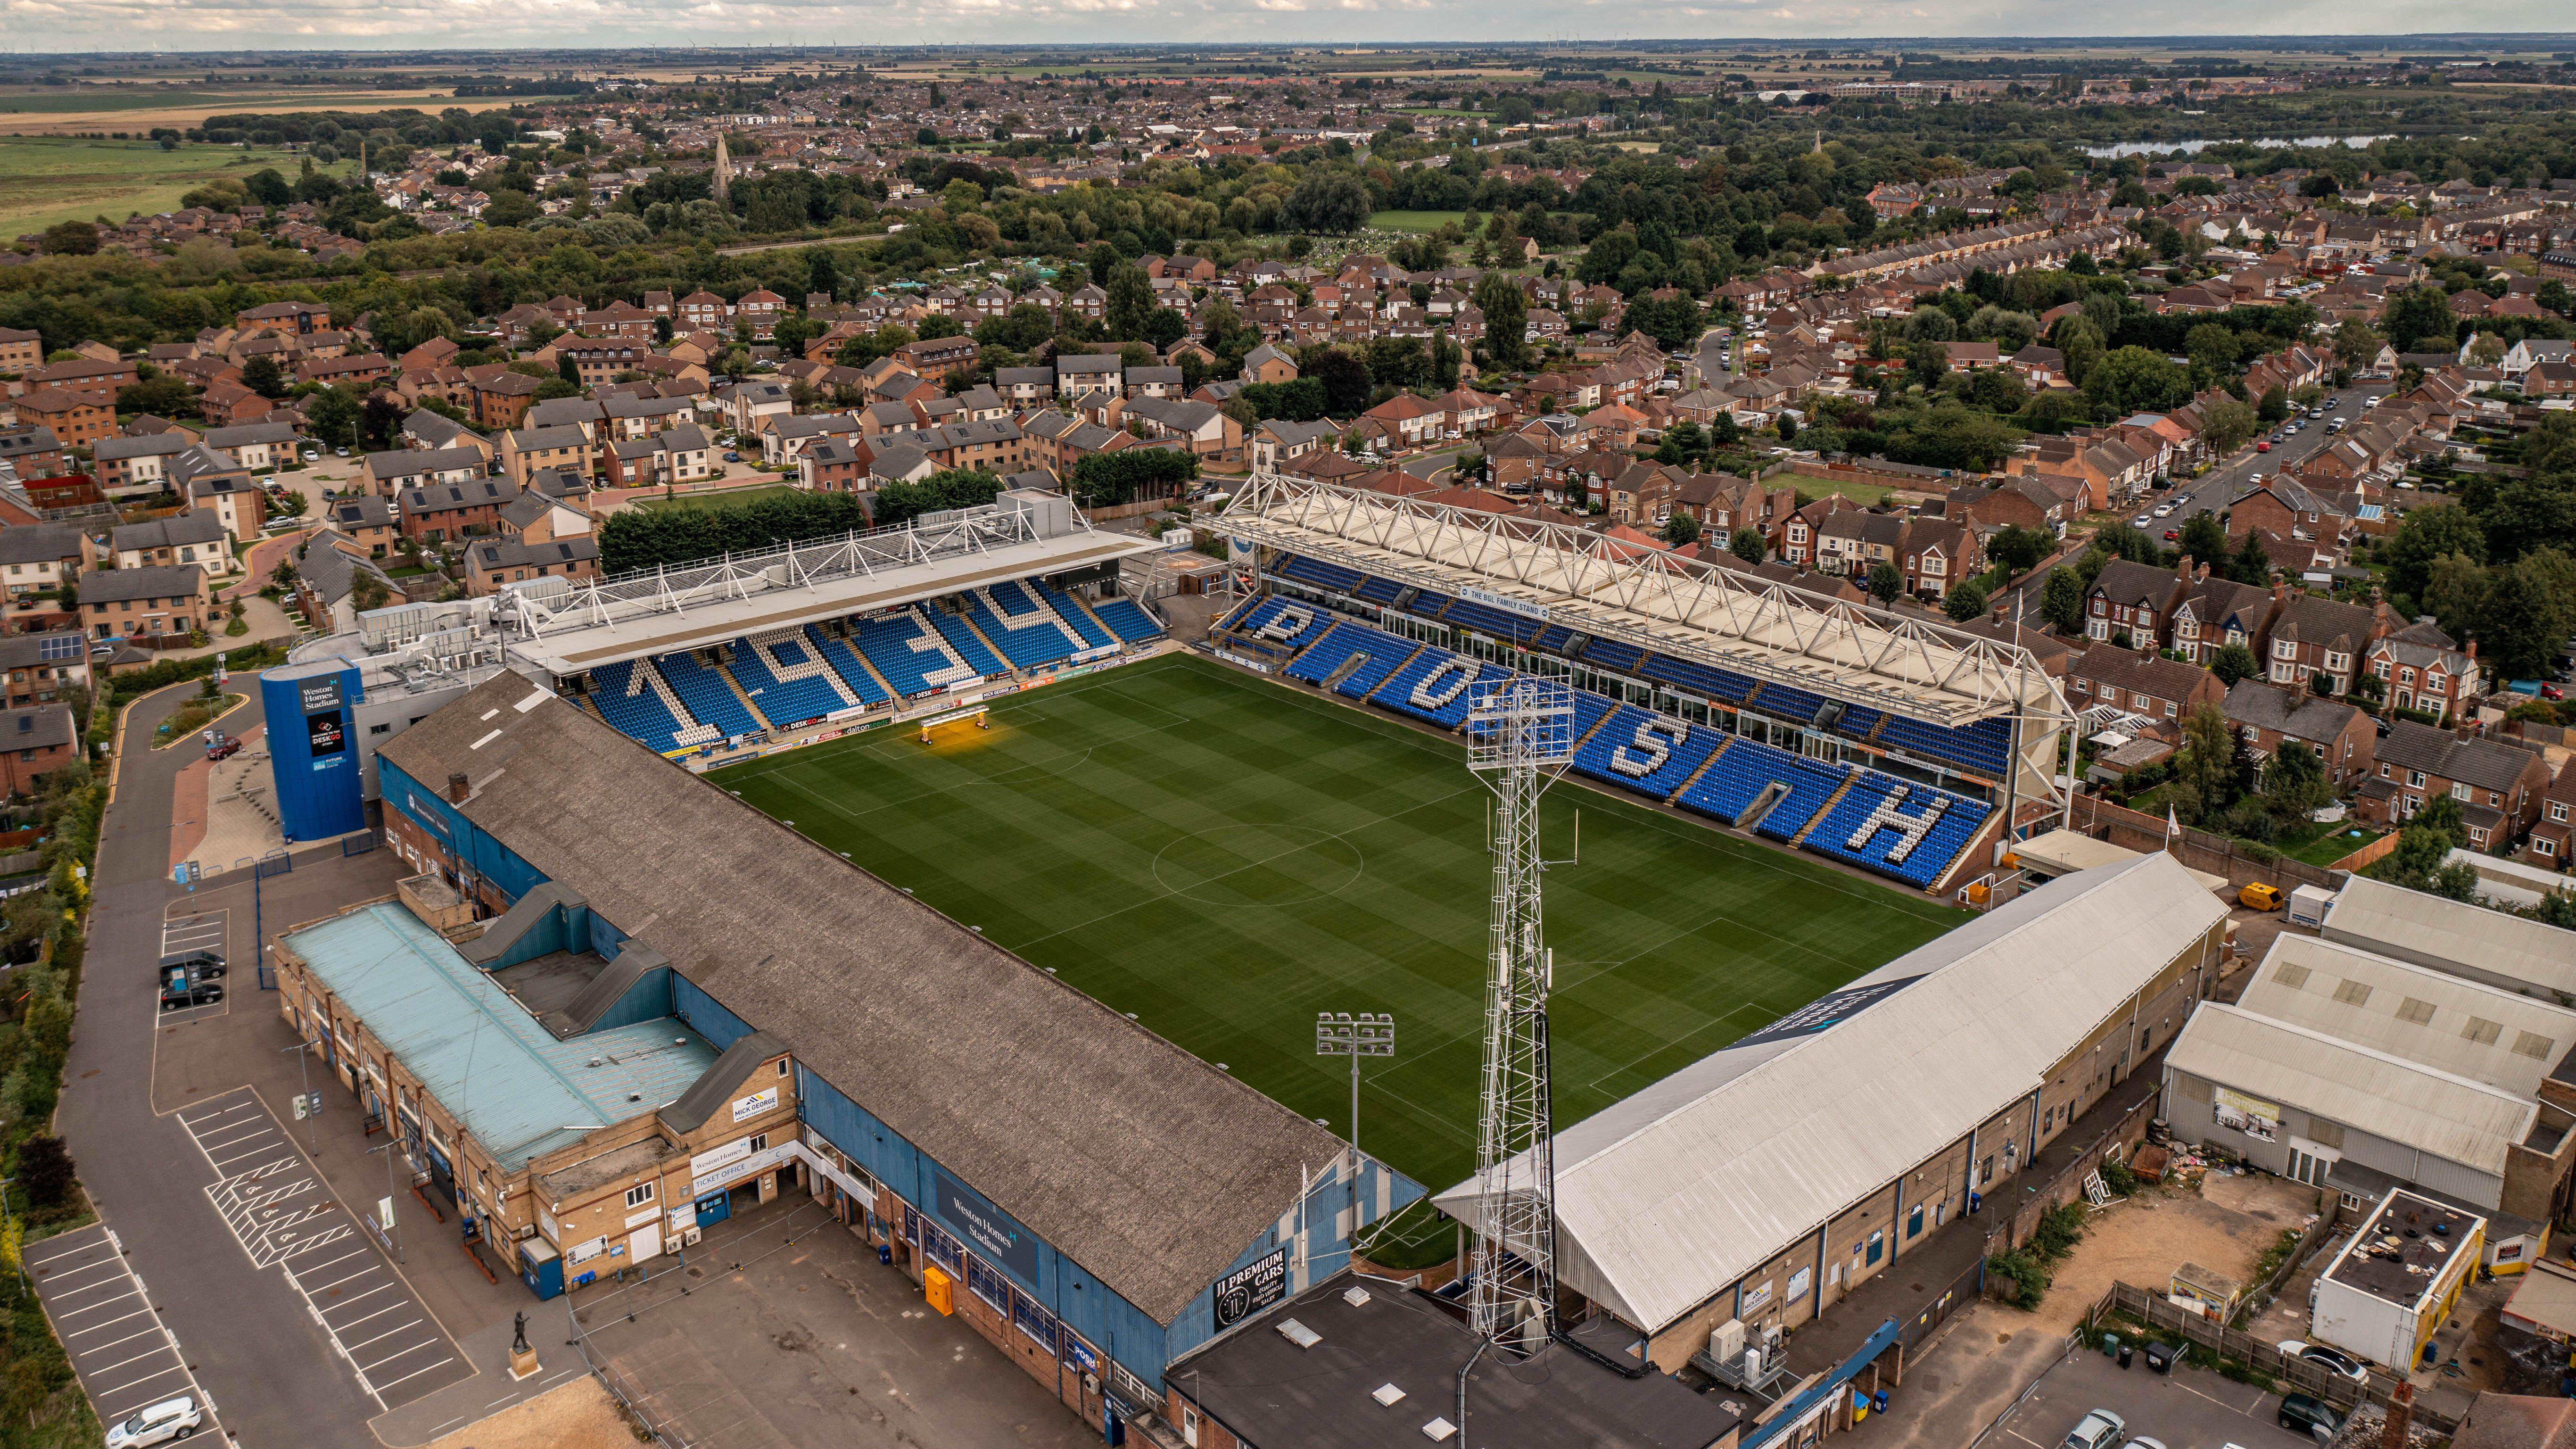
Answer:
(721, 498)
(1225, 857)
(1414, 220)
(44, 180)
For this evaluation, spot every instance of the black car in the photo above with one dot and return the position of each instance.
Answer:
(200, 965)
(179, 990)
(2303, 1413)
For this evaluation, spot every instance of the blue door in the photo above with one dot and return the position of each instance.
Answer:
(714, 1208)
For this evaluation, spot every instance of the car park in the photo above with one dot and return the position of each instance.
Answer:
(2307, 1414)
(2099, 1429)
(161, 1423)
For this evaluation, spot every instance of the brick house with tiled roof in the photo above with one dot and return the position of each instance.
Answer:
(2310, 635)
(2342, 736)
(2420, 670)
(2140, 682)
(2498, 786)
(2553, 835)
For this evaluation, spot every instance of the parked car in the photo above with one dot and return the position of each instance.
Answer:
(157, 1424)
(200, 965)
(2143, 1442)
(2100, 1429)
(179, 990)
(2307, 1414)
(733, 457)
(2142, 520)
(2262, 445)
(225, 748)
(2262, 898)
(2334, 1360)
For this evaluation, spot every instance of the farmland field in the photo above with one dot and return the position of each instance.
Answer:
(44, 180)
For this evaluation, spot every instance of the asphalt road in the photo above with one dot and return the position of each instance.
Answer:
(2213, 493)
(244, 1333)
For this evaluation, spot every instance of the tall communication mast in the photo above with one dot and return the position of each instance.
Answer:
(1520, 735)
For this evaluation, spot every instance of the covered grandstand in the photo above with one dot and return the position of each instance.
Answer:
(1884, 741)
(747, 649)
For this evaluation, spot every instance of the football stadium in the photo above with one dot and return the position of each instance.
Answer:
(1036, 905)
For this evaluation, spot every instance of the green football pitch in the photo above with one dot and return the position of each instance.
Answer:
(1224, 857)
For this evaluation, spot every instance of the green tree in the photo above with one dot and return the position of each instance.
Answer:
(2428, 534)
(2205, 539)
(2204, 769)
(1748, 544)
(2419, 319)
(2061, 601)
(2456, 593)
(2527, 613)
(2226, 425)
(1967, 601)
(2018, 549)
(1681, 530)
(1131, 303)
(70, 239)
(2252, 564)
(2234, 663)
(2133, 379)
(2356, 343)
(2081, 342)
(1925, 362)
(262, 375)
(1327, 202)
(1885, 583)
(1498, 296)
(2294, 782)
(334, 414)
(2274, 406)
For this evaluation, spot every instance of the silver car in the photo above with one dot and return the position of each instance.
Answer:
(2100, 1429)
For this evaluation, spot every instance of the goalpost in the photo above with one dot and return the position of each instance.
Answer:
(955, 716)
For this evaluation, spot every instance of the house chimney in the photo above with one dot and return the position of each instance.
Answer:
(458, 788)
(2280, 589)
(2182, 569)
(2401, 1413)
(2469, 646)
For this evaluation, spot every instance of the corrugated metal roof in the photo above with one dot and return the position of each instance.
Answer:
(1665, 1199)
(2433, 1111)
(486, 1061)
(2432, 931)
(2446, 1022)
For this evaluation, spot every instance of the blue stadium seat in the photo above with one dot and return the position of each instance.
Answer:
(1427, 603)
(1333, 650)
(1553, 639)
(1073, 613)
(1498, 623)
(968, 647)
(642, 714)
(1376, 590)
(1322, 575)
(704, 692)
(1235, 616)
(1588, 710)
(837, 653)
(1700, 679)
(913, 658)
(1981, 747)
(1788, 703)
(1925, 854)
(1858, 720)
(808, 689)
(1267, 616)
(1652, 754)
(1128, 620)
(1037, 642)
(1612, 655)
(1748, 768)
(1448, 697)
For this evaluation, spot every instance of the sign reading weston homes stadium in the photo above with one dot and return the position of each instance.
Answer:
(1824, 1011)
(317, 695)
(990, 1229)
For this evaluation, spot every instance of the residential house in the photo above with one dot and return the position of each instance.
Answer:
(1081, 374)
(182, 538)
(2140, 682)
(367, 521)
(2311, 635)
(40, 666)
(2499, 787)
(834, 465)
(79, 417)
(151, 605)
(2419, 669)
(2266, 715)
(37, 562)
(526, 450)
(35, 741)
(449, 512)
(260, 447)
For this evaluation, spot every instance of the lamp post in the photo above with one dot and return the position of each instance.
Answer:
(307, 1106)
(1364, 1034)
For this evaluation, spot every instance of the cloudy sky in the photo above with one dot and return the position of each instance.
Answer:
(208, 24)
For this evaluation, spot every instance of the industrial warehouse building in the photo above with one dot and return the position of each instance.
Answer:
(1765, 1183)
(2362, 1073)
(2505, 951)
(1083, 1185)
